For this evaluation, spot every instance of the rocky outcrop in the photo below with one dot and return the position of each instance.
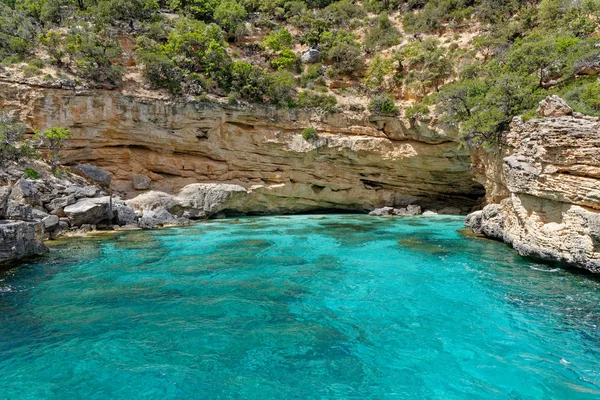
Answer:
(20, 239)
(357, 162)
(551, 173)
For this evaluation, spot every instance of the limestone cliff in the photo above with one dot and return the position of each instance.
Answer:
(549, 179)
(356, 162)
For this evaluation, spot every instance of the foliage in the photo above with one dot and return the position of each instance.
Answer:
(382, 36)
(309, 99)
(200, 9)
(31, 173)
(53, 139)
(17, 32)
(427, 65)
(343, 51)
(383, 104)
(314, 75)
(230, 15)
(309, 133)
(278, 40)
(376, 73)
(11, 145)
(285, 60)
(93, 52)
(416, 112)
(282, 88)
(248, 81)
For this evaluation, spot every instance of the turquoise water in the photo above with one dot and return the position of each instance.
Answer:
(301, 307)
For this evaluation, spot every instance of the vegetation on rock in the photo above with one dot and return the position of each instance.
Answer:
(476, 63)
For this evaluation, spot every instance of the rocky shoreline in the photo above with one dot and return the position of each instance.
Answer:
(544, 188)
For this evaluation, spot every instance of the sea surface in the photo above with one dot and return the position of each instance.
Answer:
(298, 307)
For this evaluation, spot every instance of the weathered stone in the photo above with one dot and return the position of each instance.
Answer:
(152, 219)
(141, 182)
(60, 203)
(19, 239)
(449, 211)
(155, 200)
(311, 56)
(205, 199)
(125, 215)
(89, 211)
(554, 106)
(364, 161)
(551, 180)
(51, 222)
(382, 212)
(93, 173)
(4, 195)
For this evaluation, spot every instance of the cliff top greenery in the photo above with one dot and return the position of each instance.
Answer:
(470, 63)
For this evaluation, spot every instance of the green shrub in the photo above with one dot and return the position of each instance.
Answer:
(31, 173)
(382, 36)
(416, 112)
(251, 83)
(282, 88)
(11, 145)
(230, 15)
(314, 74)
(344, 52)
(285, 60)
(308, 99)
(309, 133)
(376, 73)
(53, 139)
(93, 53)
(278, 40)
(383, 104)
(31, 70)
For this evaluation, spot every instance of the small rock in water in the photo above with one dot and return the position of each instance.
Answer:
(382, 212)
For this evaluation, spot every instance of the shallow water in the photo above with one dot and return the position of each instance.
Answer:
(306, 307)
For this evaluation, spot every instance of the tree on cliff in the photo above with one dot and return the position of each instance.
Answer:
(54, 140)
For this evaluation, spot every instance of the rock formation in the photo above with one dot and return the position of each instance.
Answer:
(546, 190)
(356, 162)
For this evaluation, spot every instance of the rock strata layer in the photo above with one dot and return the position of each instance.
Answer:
(550, 181)
(356, 162)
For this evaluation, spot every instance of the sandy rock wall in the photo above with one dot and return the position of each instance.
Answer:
(551, 180)
(356, 162)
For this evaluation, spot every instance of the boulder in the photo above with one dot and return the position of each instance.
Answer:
(50, 222)
(4, 195)
(82, 191)
(125, 215)
(93, 173)
(382, 212)
(200, 200)
(409, 210)
(311, 56)
(60, 203)
(152, 219)
(450, 211)
(20, 239)
(89, 211)
(141, 182)
(554, 106)
(154, 200)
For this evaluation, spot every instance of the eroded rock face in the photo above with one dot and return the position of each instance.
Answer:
(19, 239)
(551, 172)
(358, 162)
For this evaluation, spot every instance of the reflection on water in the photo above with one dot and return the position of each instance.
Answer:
(309, 307)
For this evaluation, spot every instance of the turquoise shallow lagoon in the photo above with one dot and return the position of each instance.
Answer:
(299, 307)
